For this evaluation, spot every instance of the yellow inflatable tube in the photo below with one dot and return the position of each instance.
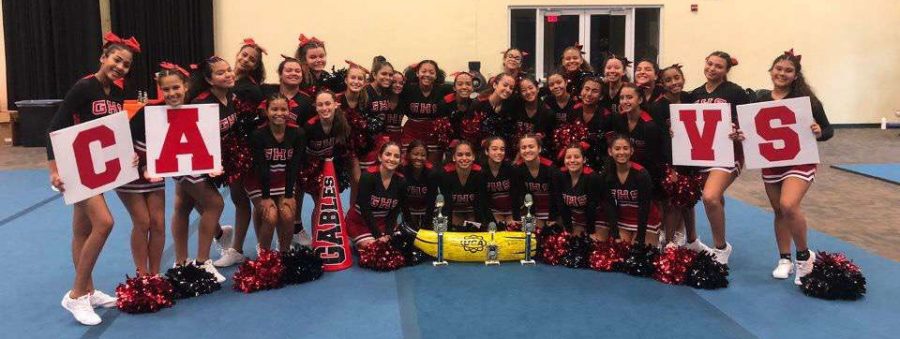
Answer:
(472, 246)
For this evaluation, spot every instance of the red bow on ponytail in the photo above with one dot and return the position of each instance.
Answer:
(251, 42)
(131, 43)
(173, 67)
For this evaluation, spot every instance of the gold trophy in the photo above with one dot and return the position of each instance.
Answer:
(440, 226)
(528, 225)
(492, 252)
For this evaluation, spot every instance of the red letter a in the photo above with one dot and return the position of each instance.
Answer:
(701, 144)
(183, 123)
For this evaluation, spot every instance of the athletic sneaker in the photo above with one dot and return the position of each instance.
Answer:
(722, 255)
(209, 267)
(229, 257)
(224, 241)
(679, 239)
(301, 239)
(100, 299)
(784, 269)
(697, 246)
(81, 309)
(804, 267)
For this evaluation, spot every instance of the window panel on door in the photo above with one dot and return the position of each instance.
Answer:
(607, 37)
(557, 36)
(646, 34)
(522, 32)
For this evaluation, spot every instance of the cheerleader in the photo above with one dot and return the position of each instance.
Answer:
(718, 89)
(561, 103)
(300, 105)
(423, 103)
(92, 97)
(277, 150)
(461, 99)
(595, 117)
(394, 117)
(678, 221)
(420, 183)
(354, 101)
(614, 76)
(249, 72)
(537, 176)
(145, 197)
(512, 63)
(786, 186)
(462, 184)
(629, 191)
(378, 96)
(647, 137)
(502, 185)
(382, 197)
(578, 205)
(490, 114)
(532, 115)
(646, 76)
(327, 136)
(573, 67)
(313, 59)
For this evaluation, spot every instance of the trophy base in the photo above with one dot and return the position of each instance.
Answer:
(492, 263)
(439, 263)
(527, 262)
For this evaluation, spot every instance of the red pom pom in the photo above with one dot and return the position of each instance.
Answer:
(261, 274)
(381, 256)
(685, 189)
(442, 130)
(360, 140)
(555, 247)
(310, 175)
(608, 255)
(673, 264)
(568, 133)
(144, 294)
(236, 158)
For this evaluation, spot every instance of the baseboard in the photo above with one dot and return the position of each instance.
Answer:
(856, 125)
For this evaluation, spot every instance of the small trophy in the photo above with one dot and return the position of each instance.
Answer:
(440, 226)
(492, 252)
(528, 224)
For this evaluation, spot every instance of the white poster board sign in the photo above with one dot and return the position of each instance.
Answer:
(182, 140)
(94, 157)
(700, 135)
(778, 133)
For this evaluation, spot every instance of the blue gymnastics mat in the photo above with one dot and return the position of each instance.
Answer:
(889, 172)
(458, 301)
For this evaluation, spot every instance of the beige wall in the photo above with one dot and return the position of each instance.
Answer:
(850, 48)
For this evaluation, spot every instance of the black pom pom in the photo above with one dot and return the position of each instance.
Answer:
(579, 251)
(640, 260)
(334, 81)
(707, 273)
(190, 280)
(301, 265)
(834, 277)
(404, 241)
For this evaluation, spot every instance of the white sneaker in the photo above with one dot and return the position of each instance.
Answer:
(804, 267)
(224, 242)
(697, 246)
(302, 239)
(81, 309)
(784, 269)
(722, 255)
(209, 267)
(229, 257)
(100, 299)
(679, 239)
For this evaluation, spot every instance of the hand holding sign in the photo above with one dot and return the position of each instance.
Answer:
(183, 140)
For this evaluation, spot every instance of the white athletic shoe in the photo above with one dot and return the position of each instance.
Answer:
(697, 246)
(224, 242)
(100, 299)
(302, 239)
(784, 269)
(81, 309)
(722, 255)
(679, 239)
(229, 257)
(209, 267)
(804, 267)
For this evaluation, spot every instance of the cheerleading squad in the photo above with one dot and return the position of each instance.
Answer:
(592, 149)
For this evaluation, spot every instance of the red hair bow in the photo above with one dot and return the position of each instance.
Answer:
(579, 47)
(791, 54)
(173, 67)
(304, 41)
(251, 42)
(356, 65)
(458, 73)
(131, 43)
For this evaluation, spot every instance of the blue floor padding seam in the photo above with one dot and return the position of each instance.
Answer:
(167, 257)
(28, 210)
(850, 168)
(409, 320)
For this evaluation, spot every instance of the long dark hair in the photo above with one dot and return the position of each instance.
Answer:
(199, 79)
(609, 163)
(729, 61)
(340, 127)
(257, 74)
(799, 87)
(300, 55)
